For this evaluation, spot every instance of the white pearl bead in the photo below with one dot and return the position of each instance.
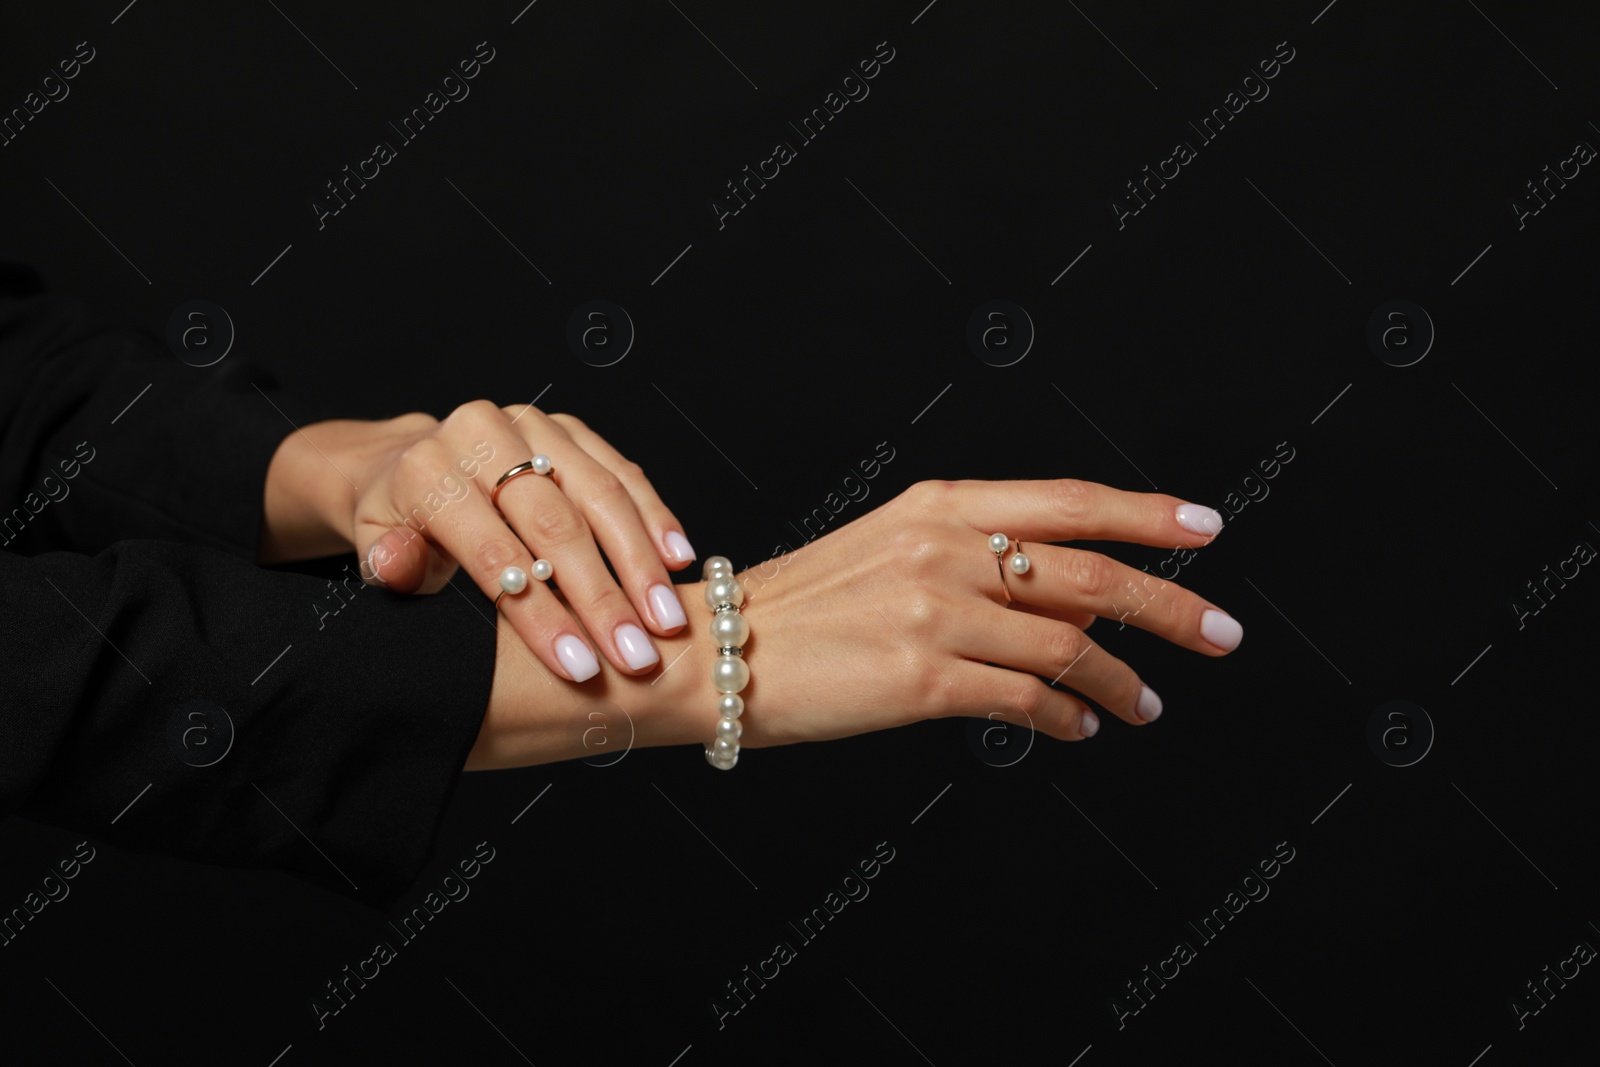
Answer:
(716, 563)
(730, 729)
(1020, 563)
(725, 748)
(730, 674)
(543, 569)
(541, 464)
(729, 629)
(513, 580)
(726, 765)
(724, 590)
(731, 706)
(998, 542)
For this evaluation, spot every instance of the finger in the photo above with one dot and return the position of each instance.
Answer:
(666, 532)
(542, 516)
(1066, 509)
(474, 532)
(1081, 619)
(543, 519)
(613, 517)
(397, 559)
(1019, 699)
(1062, 655)
(1068, 580)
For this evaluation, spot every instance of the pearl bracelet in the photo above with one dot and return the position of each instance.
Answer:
(729, 674)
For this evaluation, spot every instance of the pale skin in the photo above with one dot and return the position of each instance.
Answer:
(892, 619)
(411, 497)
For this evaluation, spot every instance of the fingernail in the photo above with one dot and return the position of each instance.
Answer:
(1197, 518)
(637, 651)
(1089, 723)
(372, 564)
(1221, 630)
(1149, 705)
(576, 658)
(679, 546)
(664, 605)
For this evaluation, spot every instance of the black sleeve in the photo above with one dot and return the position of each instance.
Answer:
(173, 697)
(105, 435)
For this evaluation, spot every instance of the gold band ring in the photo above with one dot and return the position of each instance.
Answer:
(536, 465)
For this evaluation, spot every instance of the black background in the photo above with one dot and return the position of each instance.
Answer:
(805, 332)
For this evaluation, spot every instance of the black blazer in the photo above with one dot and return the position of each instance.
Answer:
(135, 625)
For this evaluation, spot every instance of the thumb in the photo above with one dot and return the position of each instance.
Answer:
(397, 559)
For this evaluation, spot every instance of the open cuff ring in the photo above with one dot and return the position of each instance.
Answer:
(514, 580)
(537, 465)
(1019, 563)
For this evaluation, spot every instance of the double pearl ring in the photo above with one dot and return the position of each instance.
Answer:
(1019, 562)
(514, 580)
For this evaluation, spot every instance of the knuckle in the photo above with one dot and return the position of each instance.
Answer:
(1065, 645)
(931, 695)
(1068, 498)
(415, 422)
(494, 555)
(919, 547)
(930, 494)
(558, 524)
(418, 462)
(568, 422)
(604, 488)
(1090, 573)
(1026, 699)
(629, 469)
(919, 610)
(475, 414)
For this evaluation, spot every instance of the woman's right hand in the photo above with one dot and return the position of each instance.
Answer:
(900, 616)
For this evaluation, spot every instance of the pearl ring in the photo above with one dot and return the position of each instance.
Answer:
(514, 580)
(537, 465)
(1019, 562)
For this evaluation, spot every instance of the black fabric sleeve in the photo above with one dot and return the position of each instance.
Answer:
(105, 435)
(349, 730)
(352, 710)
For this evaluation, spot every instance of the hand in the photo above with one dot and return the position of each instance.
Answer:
(899, 616)
(412, 496)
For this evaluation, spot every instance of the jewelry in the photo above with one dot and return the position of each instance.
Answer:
(537, 465)
(1019, 563)
(730, 673)
(514, 580)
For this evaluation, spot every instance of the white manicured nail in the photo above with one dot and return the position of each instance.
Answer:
(637, 651)
(679, 546)
(372, 565)
(576, 658)
(665, 606)
(1197, 518)
(1089, 724)
(1149, 705)
(1221, 630)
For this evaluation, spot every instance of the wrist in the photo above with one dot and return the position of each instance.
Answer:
(315, 480)
(299, 507)
(536, 717)
(679, 701)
